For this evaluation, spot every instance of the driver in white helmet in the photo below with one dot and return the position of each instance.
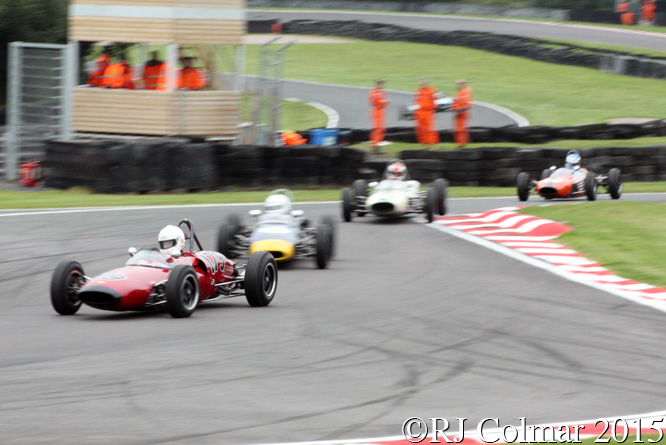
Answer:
(396, 171)
(572, 160)
(278, 207)
(171, 240)
(277, 203)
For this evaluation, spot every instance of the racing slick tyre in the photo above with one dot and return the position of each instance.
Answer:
(591, 186)
(323, 246)
(615, 183)
(261, 278)
(430, 203)
(545, 174)
(226, 235)
(347, 204)
(441, 185)
(523, 185)
(67, 279)
(360, 187)
(330, 223)
(182, 291)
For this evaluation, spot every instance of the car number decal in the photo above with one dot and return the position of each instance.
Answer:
(214, 260)
(109, 276)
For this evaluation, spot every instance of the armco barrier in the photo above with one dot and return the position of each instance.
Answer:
(619, 62)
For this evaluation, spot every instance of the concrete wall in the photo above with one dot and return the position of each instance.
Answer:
(433, 8)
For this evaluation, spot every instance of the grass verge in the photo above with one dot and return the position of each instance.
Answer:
(626, 237)
(547, 94)
(81, 197)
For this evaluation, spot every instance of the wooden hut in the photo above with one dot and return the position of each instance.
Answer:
(174, 23)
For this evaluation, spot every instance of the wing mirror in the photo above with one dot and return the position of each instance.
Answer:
(176, 255)
(255, 213)
(373, 184)
(132, 251)
(553, 168)
(297, 213)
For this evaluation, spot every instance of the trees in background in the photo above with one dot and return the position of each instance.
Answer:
(41, 21)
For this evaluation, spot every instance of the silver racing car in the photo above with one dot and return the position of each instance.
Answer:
(278, 229)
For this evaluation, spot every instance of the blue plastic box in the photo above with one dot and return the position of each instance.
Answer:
(324, 137)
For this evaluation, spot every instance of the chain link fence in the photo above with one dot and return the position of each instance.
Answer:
(38, 100)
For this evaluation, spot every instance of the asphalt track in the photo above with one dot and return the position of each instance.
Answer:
(407, 321)
(545, 30)
(352, 105)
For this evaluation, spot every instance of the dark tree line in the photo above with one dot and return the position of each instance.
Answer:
(40, 21)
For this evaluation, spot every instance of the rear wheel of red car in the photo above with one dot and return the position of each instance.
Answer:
(591, 186)
(67, 279)
(523, 185)
(261, 278)
(347, 203)
(615, 183)
(182, 291)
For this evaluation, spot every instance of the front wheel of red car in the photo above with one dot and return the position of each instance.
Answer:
(182, 291)
(523, 186)
(615, 183)
(66, 281)
(261, 278)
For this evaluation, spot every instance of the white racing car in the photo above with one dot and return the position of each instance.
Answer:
(395, 195)
(406, 112)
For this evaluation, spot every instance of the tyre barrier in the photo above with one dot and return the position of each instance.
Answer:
(164, 164)
(532, 135)
(157, 165)
(499, 166)
(620, 62)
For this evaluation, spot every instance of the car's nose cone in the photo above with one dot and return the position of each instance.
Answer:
(99, 297)
(383, 207)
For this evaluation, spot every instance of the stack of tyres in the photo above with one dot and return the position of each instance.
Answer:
(249, 168)
(83, 162)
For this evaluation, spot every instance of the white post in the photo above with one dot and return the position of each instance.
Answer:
(241, 51)
(14, 71)
(71, 81)
(143, 58)
(172, 66)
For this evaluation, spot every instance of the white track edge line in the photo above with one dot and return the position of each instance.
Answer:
(332, 115)
(545, 266)
(469, 433)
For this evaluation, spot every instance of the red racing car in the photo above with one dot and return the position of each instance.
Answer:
(571, 181)
(152, 279)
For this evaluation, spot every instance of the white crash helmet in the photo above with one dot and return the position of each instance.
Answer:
(171, 240)
(573, 159)
(277, 203)
(397, 170)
